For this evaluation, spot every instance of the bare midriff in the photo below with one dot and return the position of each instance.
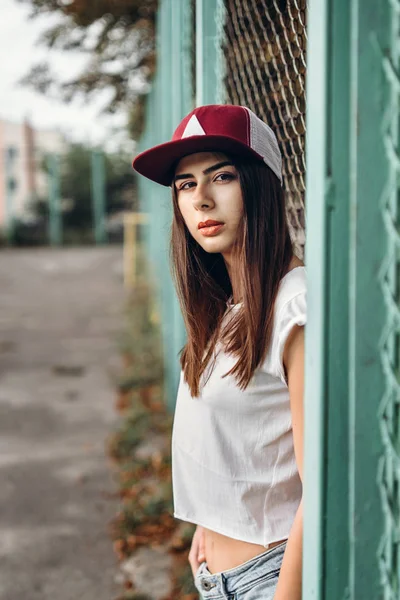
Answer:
(224, 553)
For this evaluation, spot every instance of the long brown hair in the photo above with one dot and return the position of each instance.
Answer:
(262, 252)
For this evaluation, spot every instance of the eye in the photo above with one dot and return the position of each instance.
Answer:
(227, 176)
(185, 184)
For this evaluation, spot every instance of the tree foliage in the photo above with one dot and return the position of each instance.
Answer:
(119, 39)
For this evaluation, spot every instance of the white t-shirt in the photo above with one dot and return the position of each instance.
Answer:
(233, 464)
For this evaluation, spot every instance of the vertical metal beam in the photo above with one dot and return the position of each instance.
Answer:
(374, 188)
(336, 306)
(182, 103)
(316, 216)
(131, 222)
(326, 494)
(209, 59)
(129, 251)
(99, 196)
(386, 41)
(166, 106)
(54, 200)
(167, 294)
(10, 194)
(168, 30)
(182, 92)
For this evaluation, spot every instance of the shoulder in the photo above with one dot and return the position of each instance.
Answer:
(290, 316)
(292, 286)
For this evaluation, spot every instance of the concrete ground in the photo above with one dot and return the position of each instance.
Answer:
(60, 311)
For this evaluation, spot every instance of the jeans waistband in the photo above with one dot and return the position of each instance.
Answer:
(214, 585)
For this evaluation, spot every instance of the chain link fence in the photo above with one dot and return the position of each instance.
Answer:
(389, 344)
(264, 45)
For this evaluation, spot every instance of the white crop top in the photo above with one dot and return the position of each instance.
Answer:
(233, 464)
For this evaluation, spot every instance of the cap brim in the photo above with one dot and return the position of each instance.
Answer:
(158, 162)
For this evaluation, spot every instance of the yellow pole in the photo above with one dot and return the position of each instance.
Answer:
(131, 221)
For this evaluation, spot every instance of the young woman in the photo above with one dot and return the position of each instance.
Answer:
(237, 446)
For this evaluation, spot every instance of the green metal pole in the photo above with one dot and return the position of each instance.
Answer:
(336, 524)
(55, 225)
(169, 30)
(99, 196)
(10, 191)
(182, 103)
(210, 18)
(374, 397)
(316, 209)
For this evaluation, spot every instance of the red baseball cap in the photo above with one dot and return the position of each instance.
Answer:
(219, 127)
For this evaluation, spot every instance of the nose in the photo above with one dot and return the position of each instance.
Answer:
(202, 197)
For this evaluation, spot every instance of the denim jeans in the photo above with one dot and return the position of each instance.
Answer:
(256, 579)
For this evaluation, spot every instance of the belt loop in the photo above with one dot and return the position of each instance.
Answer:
(223, 580)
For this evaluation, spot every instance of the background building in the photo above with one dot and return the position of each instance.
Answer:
(22, 178)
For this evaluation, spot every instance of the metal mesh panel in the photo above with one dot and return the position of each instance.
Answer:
(264, 45)
(389, 277)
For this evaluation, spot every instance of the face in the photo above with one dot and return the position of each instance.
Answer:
(208, 189)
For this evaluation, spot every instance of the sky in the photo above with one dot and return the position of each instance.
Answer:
(79, 120)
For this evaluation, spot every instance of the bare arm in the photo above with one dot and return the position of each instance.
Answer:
(290, 577)
(196, 554)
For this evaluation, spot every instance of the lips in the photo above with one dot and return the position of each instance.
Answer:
(208, 223)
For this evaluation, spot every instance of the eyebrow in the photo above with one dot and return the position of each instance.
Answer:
(225, 163)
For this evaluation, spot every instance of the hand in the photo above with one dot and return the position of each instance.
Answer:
(197, 553)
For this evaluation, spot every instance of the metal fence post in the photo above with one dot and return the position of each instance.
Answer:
(210, 18)
(182, 103)
(376, 302)
(99, 196)
(316, 140)
(167, 103)
(55, 225)
(10, 184)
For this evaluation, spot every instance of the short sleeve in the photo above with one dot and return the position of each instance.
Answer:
(293, 312)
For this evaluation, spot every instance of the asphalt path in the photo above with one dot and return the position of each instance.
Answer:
(60, 312)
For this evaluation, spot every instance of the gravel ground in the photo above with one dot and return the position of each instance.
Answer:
(60, 311)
